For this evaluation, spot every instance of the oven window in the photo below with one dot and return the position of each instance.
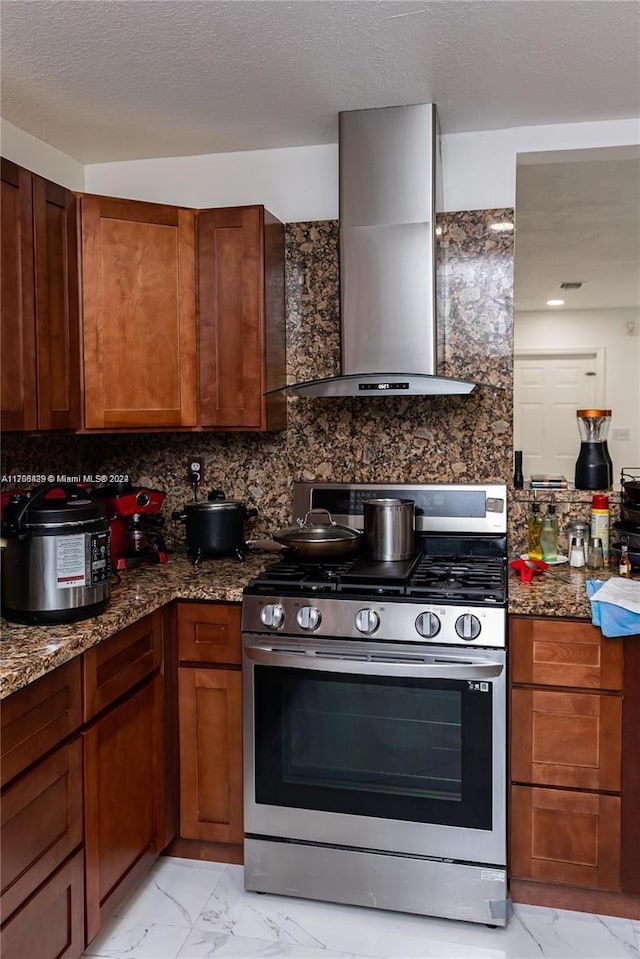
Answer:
(417, 750)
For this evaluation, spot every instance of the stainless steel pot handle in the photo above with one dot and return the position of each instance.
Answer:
(318, 509)
(439, 667)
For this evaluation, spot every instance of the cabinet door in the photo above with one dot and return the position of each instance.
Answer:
(241, 318)
(139, 321)
(565, 837)
(566, 739)
(50, 925)
(210, 713)
(41, 817)
(123, 783)
(209, 633)
(563, 652)
(56, 291)
(18, 381)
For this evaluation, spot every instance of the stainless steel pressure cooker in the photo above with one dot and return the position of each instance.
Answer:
(56, 564)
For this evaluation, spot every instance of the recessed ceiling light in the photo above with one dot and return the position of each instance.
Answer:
(503, 227)
(555, 302)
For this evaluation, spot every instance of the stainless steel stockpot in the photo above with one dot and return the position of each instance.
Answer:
(389, 529)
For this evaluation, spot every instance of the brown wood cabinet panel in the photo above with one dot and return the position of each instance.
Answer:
(563, 652)
(57, 321)
(139, 314)
(41, 817)
(123, 783)
(51, 924)
(631, 767)
(209, 633)
(18, 397)
(39, 716)
(565, 837)
(566, 739)
(241, 318)
(211, 754)
(116, 665)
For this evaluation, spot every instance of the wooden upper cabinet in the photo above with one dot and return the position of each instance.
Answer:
(18, 381)
(241, 319)
(139, 314)
(57, 306)
(40, 333)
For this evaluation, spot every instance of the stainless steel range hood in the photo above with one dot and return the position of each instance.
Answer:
(387, 257)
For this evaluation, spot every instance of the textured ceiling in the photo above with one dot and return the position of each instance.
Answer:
(114, 79)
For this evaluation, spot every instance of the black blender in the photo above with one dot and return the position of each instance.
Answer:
(594, 468)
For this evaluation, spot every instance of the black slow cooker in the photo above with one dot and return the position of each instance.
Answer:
(56, 564)
(215, 526)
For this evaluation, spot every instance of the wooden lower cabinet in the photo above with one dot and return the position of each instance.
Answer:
(565, 837)
(123, 787)
(210, 725)
(50, 925)
(574, 836)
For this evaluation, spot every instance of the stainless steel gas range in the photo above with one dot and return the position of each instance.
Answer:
(375, 713)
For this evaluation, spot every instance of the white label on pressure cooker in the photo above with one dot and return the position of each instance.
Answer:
(70, 561)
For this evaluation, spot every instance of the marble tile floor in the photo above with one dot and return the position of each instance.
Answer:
(186, 909)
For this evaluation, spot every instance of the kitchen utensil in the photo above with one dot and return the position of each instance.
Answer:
(626, 533)
(389, 529)
(317, 540)
(630, 488)
(134, 515)
(215, 526)
(56, 556)
(593, 466)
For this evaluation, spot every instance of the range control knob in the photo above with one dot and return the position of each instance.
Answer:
(272, 615)
(308, 617)
(428, 625)
(468, 626)
(366, 621)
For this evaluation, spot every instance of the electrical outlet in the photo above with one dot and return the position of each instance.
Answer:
(195, 470)
(621, 435)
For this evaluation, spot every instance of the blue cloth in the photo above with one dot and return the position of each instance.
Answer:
(613, 620)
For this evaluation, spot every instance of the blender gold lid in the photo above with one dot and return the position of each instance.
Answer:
(593, 412)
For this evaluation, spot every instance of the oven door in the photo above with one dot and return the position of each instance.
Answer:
(376, 746)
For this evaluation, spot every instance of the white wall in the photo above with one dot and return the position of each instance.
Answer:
(301, 183)
(39, 157)
(479, 171)
(610, 329)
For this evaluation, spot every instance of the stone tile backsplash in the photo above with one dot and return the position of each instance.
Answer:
(395, 439)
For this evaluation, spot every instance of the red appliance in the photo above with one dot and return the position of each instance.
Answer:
(134, 515)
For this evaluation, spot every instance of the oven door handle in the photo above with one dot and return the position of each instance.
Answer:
(377, 665)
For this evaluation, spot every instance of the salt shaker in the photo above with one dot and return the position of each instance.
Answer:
(576, 552)
(596, 557)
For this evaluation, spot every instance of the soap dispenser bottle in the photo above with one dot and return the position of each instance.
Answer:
(549, 535)
(534, 526)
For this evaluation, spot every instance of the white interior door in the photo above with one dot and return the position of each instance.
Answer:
(548, 389)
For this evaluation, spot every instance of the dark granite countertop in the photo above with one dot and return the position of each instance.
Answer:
(29, 652)
(559, 591)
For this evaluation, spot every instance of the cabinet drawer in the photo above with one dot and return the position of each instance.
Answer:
(51, 924)
(41, 823)
(116, 665)
(565, 837)
(563, 652)
(209, 633)
(39, 716)
(566, 739)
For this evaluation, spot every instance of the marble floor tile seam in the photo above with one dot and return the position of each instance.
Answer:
(188, 909)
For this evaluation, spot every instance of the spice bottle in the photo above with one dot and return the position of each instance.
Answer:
(534, 526)
(625, 562)
(600, 523)
(549, 535)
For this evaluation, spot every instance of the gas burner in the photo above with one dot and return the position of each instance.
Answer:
(473, 578)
